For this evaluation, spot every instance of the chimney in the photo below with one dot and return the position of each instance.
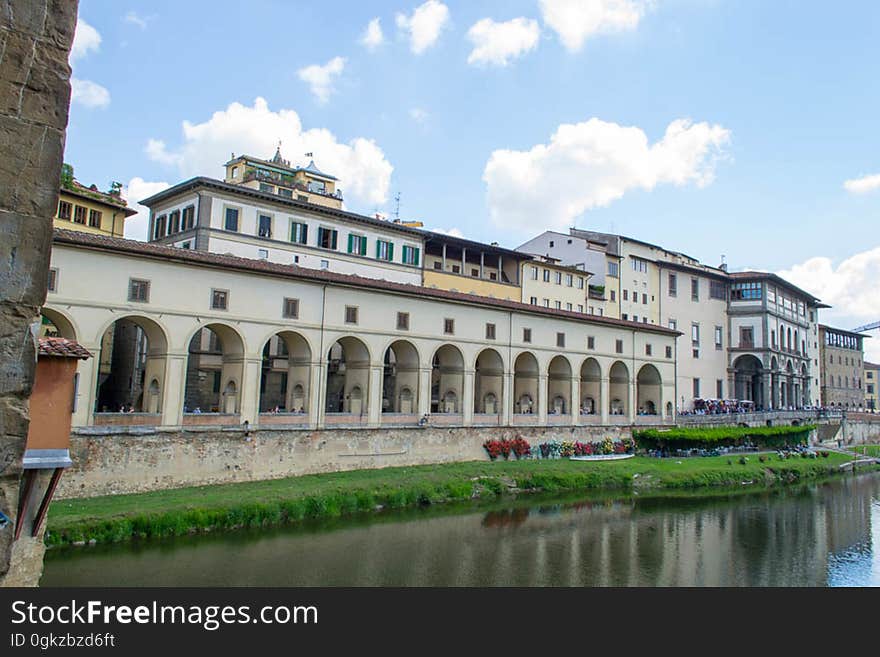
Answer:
(723, 266)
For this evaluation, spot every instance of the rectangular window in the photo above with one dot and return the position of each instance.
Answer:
(635, 296)
(668, 351)
(719, 337)
(569, 280)
(618, 346)
(264, 227)
(696, 353)
(746, 292)
(231, 219)
(160, 227)
(438, 265)
(263, 254)
(493, 276)
(53, 285)
(189, 216)
(357, 244)
(746, 337)
(302, 198)
(95, 218)
(717, 290)
(384, 250)
(327, 238)
(568, 306)
(648, 350)
(290, 308)
(138, 290)
(560, 339)
(695, 334)
(696, 388)
(527, 335)
(449, 326)
(719, 389)
(673, 285)
(673, 324)
(325, 264)
(286, 193)
(580, 284)
(174, 222)
(546, 275)
(558, 305)
(695, 289)
(490, 331)
(626, 295)
(351, 315)
(613, 269)
(625, 317)
(591, 342)
(533, 301)
(64, 209)
(219, 299)
(299, 233)
(613, 296)
(267, 188)
(644, 299)
(475, 272)
(403, 321)
(79, 214)
(635, 318)
(546, 303)
(580, 307)
(534, 271)
(456, 269)
(411, 255)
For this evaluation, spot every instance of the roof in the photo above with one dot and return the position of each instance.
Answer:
(825, 327)
(871, 366)
(193, 257)
(62, 348)
(278, 161)
(431, 236)
(77, 189)
(766, 275)
(711, 272)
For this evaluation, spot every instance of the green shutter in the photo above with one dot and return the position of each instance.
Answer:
(305, 233)
(350, 243)
(378, 249)
(390, 250)
(333, 237)
(363, 246)
(416, 259)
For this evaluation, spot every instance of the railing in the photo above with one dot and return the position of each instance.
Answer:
(288, 182)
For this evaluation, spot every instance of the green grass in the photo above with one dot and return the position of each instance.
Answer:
(867, 450)
(280, 501)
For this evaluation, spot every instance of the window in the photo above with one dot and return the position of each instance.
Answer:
(673, 285)
(234, 176)
(719, 337)
(411, 255)
(551, 244)
(160, 227)
(639, 265)
(719, 389)
(695, 289)
(558, 305)
(696, 353)
(546, 275)
(625, 317)
(384, 250)
(95, 218)
(635, 296)
(403, 321)
(569, 280)
(773, 338)
(264, 228)
(79, 214)
(668, 351)
(618, 346)
(52, 286)
(456, 269)
(648, 350)
(560, 339)
(449, 326)
(138, 290)
(613, 296)
(568, 306)
(490, 331)
(745, 292)
(673, 324)
(357, 244)
(533, 301)
(219, 299)
(189, 216)
(64, 209)
(299, 233)
(174, 222)
(351, 315)
(644, 299)
(290, 308)
(302, 198)
(475, 272)
(527, 335)
(626, 295)
(263, 254)
(546, 303)
(534, 273)
(493, 276)
(695, 333)
(580, 284)
(580, 307)
(231, 219)
(286, 193)
(613, 268)
(591, 342)
(325, 264)
(438, 264)
(327, 238)
(696, 388)
(265, 187)
(746, 337)
(635, 318)
(717, 290)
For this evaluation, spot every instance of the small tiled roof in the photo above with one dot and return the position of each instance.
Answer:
(62, 348)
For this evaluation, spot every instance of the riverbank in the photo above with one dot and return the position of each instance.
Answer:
(280, 501)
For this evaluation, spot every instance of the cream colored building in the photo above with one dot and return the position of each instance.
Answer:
(547, 283)
(357, 352)
(872, 393)
(842, 355)
(88, 210)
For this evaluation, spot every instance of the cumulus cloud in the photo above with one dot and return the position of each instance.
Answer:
(499, 43)
(575, 21)
(364, 173)
(320, 78)
(452, 232)
(424, 26)
(136, 190)
(86, 39)
(89, 94)
(373, 37)
(134, 18)
(863, 185)
(592, 164)
(848, 288)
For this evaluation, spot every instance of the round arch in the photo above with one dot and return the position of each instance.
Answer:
(285, 373)
(591, 387)
(749, 381)
(57, 323)
(400, 380)
(618, 389)
(447, 379)
(489, 382)
(525, 384)
(559, 386)
(214, 360)
(649, 391)
(348, 377)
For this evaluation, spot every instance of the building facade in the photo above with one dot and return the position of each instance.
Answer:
(88, 210)
(872, 379)
(842, 358)
(547, 283)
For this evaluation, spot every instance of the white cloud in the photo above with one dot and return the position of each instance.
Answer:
(88, 93)
(848, 288)
(498, 43)
(424, 26)
(364, 173)
(135, 19)
(592, 164)
(863, 185)
(373, 37)
(418, 115)
(320, 78)
(577, 20)
(452, 232)
(85, 40)
(136, 190)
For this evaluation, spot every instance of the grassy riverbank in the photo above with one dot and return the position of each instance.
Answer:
(867, 450)
(279, 501)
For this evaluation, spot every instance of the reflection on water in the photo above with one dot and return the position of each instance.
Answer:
(822, 535)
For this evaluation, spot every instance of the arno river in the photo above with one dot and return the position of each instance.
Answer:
(821, 535)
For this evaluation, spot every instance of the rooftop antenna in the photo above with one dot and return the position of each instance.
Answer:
(397, 208)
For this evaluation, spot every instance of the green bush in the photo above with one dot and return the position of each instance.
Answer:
(685, 438)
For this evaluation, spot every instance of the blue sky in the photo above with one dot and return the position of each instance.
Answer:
(774, 106)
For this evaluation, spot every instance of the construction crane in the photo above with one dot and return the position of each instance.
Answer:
(867, 327)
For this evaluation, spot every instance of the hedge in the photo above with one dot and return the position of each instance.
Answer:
(722, 436)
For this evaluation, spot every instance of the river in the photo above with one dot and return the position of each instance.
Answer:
(824, 534)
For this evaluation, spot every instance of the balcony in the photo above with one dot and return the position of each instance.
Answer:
(288, 182)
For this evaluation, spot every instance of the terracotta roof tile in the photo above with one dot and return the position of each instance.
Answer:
(62, 348)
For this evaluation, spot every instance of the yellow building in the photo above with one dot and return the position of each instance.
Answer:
(88, 210)
(872, 380)
(276, 176)
(548, 283)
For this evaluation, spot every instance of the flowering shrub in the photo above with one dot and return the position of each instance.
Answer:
(493, 448)
(583, 449)
(555, 449)
(520, 447)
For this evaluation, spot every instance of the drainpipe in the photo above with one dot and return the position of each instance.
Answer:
(322, 389)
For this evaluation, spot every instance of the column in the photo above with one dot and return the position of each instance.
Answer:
(424, 391)
(250, 388)
(604, 399)
(174, 388)
(482, 263)
(575, 402)
(731, 384)
(765, 390)
(542, 399)
(464, 271)
(374, 412)
(317, 390)
(87, 386)
(506, 399)
(633, 400)
(468, 398)
(500, 279)
(444, 257)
